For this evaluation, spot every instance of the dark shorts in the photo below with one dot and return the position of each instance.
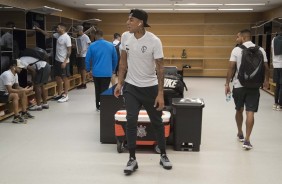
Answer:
(277, 75)
(80, 63)
(4, 97)
(61, 72)
(248, 97)
(42, 75)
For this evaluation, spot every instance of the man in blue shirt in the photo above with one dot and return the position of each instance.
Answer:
(103, 57)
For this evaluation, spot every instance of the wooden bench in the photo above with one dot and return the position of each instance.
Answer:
(74, 81)
(6, 109)
(272, 87)
(51, 89)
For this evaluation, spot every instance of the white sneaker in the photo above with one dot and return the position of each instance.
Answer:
(279, 108)
(274, 106)
(35, 108)
(131, 166)
(64, 98)
(45, 106)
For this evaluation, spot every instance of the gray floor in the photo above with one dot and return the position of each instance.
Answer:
(61, 146)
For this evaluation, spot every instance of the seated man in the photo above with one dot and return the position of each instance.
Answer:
(40, 71)
(11, 91)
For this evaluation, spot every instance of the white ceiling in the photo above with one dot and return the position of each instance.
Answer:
(153, 4)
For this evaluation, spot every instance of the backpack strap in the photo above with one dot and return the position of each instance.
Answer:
(35, 63)
(242, 46)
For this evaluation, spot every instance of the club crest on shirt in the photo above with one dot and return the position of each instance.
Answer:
(143, 49)
(141, 131)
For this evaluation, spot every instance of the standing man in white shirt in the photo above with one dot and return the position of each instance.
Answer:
(243, 96)
(276, 45)
(142, 64)
(83, 43)
(61, 65)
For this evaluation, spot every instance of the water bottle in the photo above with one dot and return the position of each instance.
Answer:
(228, 97)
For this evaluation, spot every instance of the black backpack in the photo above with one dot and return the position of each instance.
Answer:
(36, 52)
(251, 71)
(174, 83)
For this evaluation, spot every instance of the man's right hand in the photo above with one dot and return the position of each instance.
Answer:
(117, 91)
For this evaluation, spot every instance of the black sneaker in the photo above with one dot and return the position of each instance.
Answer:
(131, 166)
(247, 145)
(18, 119)
(164, 161)
(57, 97)
(27, 115)
(81, 86)
(240, 138)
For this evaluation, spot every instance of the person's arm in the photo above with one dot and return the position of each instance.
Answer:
(17, 89)
(32, 71)
(48, 35)
(122, 72)
(159, 102)
(64, 64)
(230, 72)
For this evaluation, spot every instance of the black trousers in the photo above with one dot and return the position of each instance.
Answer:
(135, 98)
(277, 78)
(101, 84)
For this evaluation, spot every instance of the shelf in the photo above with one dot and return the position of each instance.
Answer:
(196, 64)
(193, 68)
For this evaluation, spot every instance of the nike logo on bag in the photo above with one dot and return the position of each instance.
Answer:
(252, 74)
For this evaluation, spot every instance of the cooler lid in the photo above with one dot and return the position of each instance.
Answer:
(188, 101)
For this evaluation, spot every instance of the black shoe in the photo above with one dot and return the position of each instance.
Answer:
(57, 97)
(164, 161)
(18, 119)
(81, 86)
(131, 166)
(27, 115)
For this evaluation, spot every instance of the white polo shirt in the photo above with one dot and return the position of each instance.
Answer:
(83, 42)
(63, 42)
(236, 56)
(7, 78)
(141, 55)
(27, 60)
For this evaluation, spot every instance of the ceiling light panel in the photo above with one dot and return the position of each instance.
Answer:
(196, 4)
(104, 4)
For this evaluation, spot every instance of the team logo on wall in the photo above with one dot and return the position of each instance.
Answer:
(141, 131)
(143, 49)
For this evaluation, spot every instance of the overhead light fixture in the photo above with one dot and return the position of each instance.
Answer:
(92, 20)
(50, 8)
(111, 9)
(229, 9)
(195, 9)
(148, 4)
(104, 4)
(158, 9)
(196, 4)
(45, 10)
(247, 4)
